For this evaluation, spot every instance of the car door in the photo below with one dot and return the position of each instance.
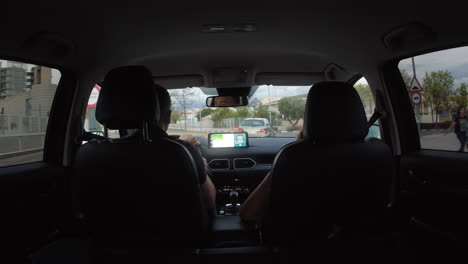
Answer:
(33, 123)
(433, 176)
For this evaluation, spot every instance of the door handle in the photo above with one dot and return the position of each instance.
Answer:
(418, 179)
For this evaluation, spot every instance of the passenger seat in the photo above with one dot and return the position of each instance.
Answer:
(332, 186)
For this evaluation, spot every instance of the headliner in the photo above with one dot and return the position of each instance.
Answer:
(168, 39)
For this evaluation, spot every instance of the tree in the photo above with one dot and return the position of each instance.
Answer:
(222, 113)
(205, 112)
(437, 91)
(292, 109)
(184, 98)
(261, 111)
(175, 115)
(461, 95)
(367, 97)
(243, 111)
(406, 78)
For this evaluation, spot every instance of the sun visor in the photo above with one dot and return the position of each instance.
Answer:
(412, 35)
(282, 79)
(180, 81)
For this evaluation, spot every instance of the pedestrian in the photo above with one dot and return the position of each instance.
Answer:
(460, 123)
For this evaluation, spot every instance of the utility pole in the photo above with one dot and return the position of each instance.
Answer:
(269, 104)
(199, 118)
(416, 107)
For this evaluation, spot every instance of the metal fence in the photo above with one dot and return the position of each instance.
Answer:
(21, 133)
(12, 125)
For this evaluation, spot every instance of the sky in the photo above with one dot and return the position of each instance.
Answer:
(453, 60)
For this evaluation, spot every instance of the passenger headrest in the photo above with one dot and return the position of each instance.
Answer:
(334, 114)
(127, 98)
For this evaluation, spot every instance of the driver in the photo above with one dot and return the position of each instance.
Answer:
(207, 188)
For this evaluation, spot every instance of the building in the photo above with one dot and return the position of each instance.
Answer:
(27, 111)
(274, 101)
(13, 80)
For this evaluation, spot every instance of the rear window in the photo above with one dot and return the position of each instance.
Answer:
(253, 123)
(26, 95)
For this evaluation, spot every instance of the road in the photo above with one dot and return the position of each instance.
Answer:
(432, 141)
(205, 133)
(441, 141)
(21, 159)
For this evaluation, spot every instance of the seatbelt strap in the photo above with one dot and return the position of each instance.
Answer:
(376, 116)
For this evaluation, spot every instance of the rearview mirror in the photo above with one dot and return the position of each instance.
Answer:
(227, 101)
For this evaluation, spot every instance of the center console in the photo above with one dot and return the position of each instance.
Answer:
(234, 180)
(229, 198)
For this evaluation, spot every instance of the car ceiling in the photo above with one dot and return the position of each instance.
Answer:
(91, 38)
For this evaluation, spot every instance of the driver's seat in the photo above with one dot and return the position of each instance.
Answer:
(141, 192)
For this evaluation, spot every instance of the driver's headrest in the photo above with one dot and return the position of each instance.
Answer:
(127, 98)
(334, 114)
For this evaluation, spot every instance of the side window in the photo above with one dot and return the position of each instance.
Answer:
(91, 124)
(26, 95)
(437, 85)
(368, 101)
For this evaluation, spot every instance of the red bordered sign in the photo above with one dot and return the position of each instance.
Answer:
(93, 98)
(415, 86)
(416, 97)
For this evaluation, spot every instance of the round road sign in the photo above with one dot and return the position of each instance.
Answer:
(416, 98)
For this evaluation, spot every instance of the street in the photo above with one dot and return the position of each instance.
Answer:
(206, 132)
(29, 157)
(441, 142)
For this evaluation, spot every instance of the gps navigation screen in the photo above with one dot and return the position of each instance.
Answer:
(228, 140)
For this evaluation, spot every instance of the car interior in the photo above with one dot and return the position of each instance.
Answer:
(79, 185)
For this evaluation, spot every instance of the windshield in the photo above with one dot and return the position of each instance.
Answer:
(279, 110)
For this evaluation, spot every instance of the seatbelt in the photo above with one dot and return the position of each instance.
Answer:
(376, 116)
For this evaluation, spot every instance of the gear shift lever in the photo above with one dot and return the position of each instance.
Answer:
(234, 205)
(234, 197)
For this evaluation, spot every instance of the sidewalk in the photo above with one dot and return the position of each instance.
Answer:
(426, 132)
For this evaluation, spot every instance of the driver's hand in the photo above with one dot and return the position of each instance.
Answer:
(190, 139)
(206, 163)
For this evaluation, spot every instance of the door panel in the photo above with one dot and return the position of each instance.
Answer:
(31, 203)
(434, 191)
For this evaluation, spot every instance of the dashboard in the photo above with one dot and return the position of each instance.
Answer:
(236, 172)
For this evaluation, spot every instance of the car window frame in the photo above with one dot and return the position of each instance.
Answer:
(57, 126)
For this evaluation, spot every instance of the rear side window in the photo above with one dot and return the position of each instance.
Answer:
(437, 85)
(26, 95)
(368, 101)
(91, 124)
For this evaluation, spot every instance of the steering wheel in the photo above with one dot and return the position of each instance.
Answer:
(198, 148)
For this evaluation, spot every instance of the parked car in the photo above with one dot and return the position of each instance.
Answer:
(257, 127)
